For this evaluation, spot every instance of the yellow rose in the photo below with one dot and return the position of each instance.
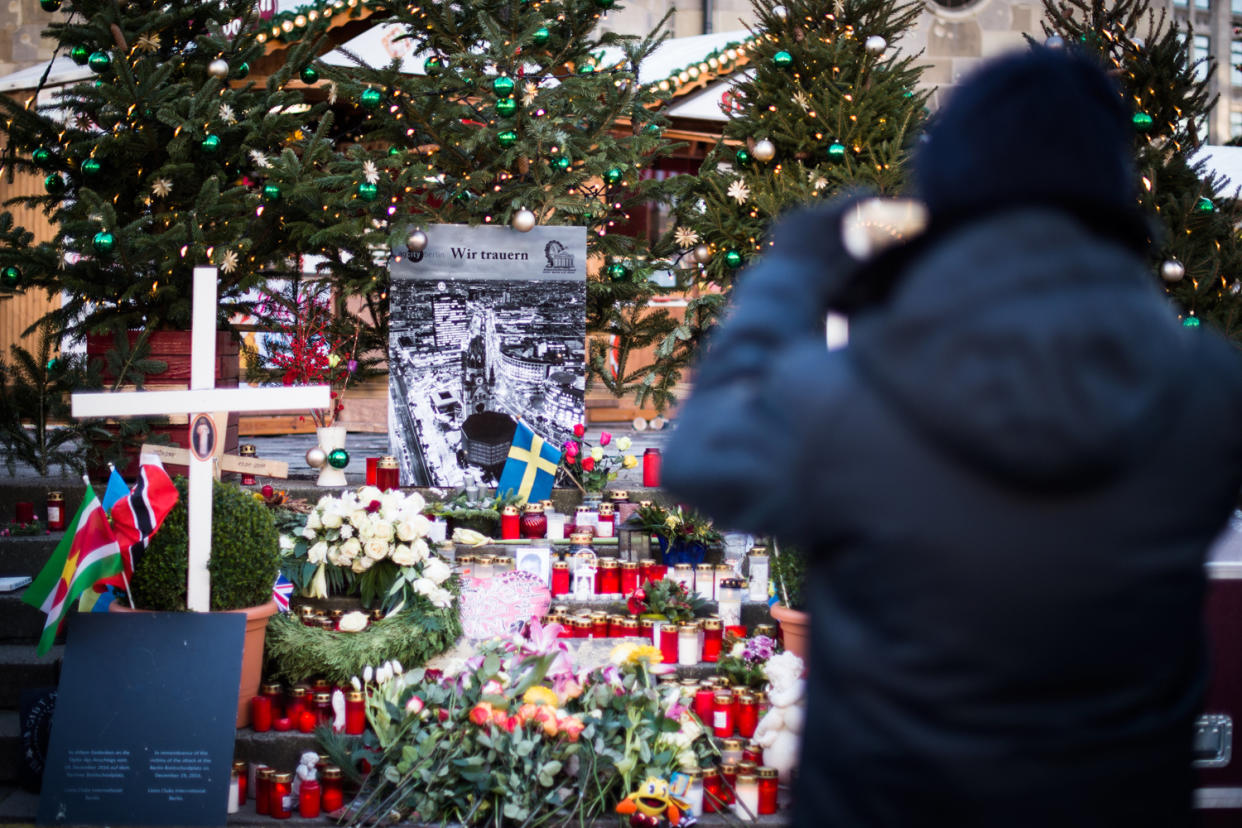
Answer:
(629, 461)
(597, 454)
(623, 443)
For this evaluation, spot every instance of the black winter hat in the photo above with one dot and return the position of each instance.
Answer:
(1040, 127)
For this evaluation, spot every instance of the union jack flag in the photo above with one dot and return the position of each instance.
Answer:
(281, 592)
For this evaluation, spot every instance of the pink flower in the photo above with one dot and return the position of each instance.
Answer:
(512, 723)
(493, 688)
(605, 438)
(571, 448)
(373, 507)
(572, 726)
(414, 705)
(579, 430)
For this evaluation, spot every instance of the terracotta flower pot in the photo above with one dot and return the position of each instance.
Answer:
(795, 629)
(252, 652)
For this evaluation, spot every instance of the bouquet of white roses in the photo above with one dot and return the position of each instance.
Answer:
(371, 543)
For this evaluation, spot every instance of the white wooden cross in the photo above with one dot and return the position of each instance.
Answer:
(203, 397)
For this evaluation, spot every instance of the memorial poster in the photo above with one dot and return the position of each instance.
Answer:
(487, 326)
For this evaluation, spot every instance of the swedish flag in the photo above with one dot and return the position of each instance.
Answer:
(530, 470)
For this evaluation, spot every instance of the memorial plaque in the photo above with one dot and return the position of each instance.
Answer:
(145, 720)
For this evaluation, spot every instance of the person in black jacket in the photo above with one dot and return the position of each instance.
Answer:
(1006, 481)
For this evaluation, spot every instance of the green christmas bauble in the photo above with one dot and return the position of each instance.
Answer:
(617, 271)
(394, 152)
(1142, 121)
(1204, 205)
(370, 98)
(49, 5)
(1190, 322)
(614, 175)
(836, 151)
(368, 191)
(733, 259)
(506, 107)
(782, 59)
(586, 69)
(242, 69)
(338, 458)
(80, 54)
(653, 129)
(41, 156)
(433, 64)
(10, 277)
(210, 144)
(104, 242)
(309, 74)
(741, 157)
(562, 162)
(503, 86)
(54, 184)
(507, 138)
(540, 36)
(271, 192)
(99, 62)
(91, 167)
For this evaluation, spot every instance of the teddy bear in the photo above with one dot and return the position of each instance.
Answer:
(780, 730)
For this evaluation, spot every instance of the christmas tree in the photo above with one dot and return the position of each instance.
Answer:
(166, 159)
(518, 113)
(829, 105)
(1196, 255)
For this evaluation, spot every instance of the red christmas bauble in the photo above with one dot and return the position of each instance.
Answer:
(267, 491)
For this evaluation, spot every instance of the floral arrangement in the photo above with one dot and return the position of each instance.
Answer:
(743, 664)
(17, 530)
(667, 599)
(372, 544)
(677, 525)
(590, 467)
(517, 737)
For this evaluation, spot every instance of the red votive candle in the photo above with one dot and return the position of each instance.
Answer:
(712, 637)
(276, 696)
(387, 474)
(56, 511)
(609, 577)
(728, 782)
(323, 708)
(767, 790)
(560, 578)
(668, 642)
(372, 466)
(332, 797)
(712, 796)
(651, 468)
(629, 577)
(296, 703)
(307, 721)
(703, 698)
(25, 512)
(355, 713)
(510, 523)
(308, 799)
(747, 715)
(281, 794)
(261, 714)
(263, 791)
(722, 714)
(243, 780)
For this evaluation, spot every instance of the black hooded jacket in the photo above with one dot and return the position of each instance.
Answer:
(1007, 483)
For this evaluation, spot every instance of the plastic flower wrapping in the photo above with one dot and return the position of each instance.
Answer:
(369, 543)
(518, 736)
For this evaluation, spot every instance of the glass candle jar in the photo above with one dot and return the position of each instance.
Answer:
(510, 523)
(645, 568)
(766, 629)
(746, 797)
(243, 781)
(585, 520)
(647, 630)
(629, 627)
(629, 577)
(23, 512)
(767, 791)
(747, 714)
(722, 572)
(731, 751)
(332, 797)
(323, 708)
(609, 576)
(688, 649)
(261, 714)
(758, 560)
(483, 566)
(668, 643)
(599, 625)
(560, 578)
(605, 525)
(729, 602)
(752, 752)
(56, 511)
(309, 796)
(534, 522)
(722, 714)
(387, 474)
(712, 637)
(276, 696)
(556, 523)
(579, 541)
(713, 795)
(683, 573)
(703, 702)
(728, 782)
(622, 505)
(582, 626)
(296, 703)
(355, 713)
(651, 468)
(234, 792)
(705, 581)
(693, 795)
(372, 467)
(263, 791)
(247, 450)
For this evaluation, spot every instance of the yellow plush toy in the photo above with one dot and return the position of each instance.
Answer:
(652, 801)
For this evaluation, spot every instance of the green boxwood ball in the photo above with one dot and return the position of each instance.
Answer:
(617, 271)
(836, 151)
(741, 158)
(49, 5)
(733, 259)
(271, 192)
(503, 85)
(507, 138)
(614, 175)
(99, 62)
(242, 69)
(91, 167)
(10, 277)
(338, 458)
(80, 54)
(54, 184)
(368, 191)
(506, 107)
(370, 98)
(541, 35)
(1142, 121)
(41, 156)
(104, 242)
(562, 162)
(782, 59)
(309, 74)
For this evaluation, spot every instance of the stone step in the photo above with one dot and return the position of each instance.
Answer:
(10, 745)
(23, 669)
(19, 623)
(27, 554)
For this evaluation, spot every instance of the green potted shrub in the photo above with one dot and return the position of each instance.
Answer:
(245, 557)
(788, 568)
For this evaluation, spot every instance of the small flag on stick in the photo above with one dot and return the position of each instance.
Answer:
(282, 591)
(530, 470)
(137, 516)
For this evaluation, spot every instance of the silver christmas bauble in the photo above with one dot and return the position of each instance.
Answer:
(1172, 270)
(702, 254)
(1055, 42)
(764, 150)
(417, 241)
(316, 457)
(875, 44)
(780, 11)
(523, 221)
(218, 68)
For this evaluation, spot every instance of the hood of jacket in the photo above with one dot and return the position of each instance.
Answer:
(1028, 347)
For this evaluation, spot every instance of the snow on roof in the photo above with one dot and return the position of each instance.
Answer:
(63, 71)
